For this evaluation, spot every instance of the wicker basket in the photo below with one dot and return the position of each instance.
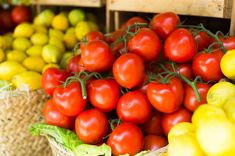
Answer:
(18, 111)
(59, 150)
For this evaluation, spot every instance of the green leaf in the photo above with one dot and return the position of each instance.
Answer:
(93, 150)
(5, 85)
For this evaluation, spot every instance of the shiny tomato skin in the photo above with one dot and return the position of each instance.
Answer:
(229, 42)
(96, 56)
(154, 142)
(134, 107)
(203, 40)
(20, 14)
(186, 70)
(75, 64)
(165, 23)
(69, 100)
(53, 116)
(207, 65)
(145, 44)
(126, 138)
(129, 70)
(104, 94)
(190, 101)
(53, 78)
(180, 46)
(171, 119)
(113, 36)
(153, 125)
(91, 126)
(92, 36)
(166, 98)
(132, 21)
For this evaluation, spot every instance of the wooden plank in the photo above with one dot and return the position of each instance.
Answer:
(209, 8)
(232, 25)
(82, 3)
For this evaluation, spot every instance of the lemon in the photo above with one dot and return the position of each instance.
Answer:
(51, 54)
(8, 69)
(24, 30)
(44, 18)
(70, 39)
(35, 50)
(65, 59)
(34, 63)
(39, 39)
(2, 55)
(93, 26)
(58, 43)
(229, 109)
(49, 66)
(56, 33)
(75, 16)
(40, 29)
(16, 55)
(82, 28)
(3, 43)
(9, 39)
(60, 22)
(27, 80)
(21, 43)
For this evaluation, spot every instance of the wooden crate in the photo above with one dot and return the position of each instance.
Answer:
(82, 3)
(207, 8)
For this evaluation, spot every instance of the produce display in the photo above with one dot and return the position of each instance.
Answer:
(33, 47)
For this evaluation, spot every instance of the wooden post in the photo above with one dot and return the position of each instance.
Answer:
(232, 25)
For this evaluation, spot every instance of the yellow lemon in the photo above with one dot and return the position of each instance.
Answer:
(16, 55)
(56, 33)
(49, 66)
(51, 54)
(75, 16)
(65, 59)
(35, 50)
(34, 63)
(60, 22)
(21, 43)
(40, 29)
(39, 39)
(82, 28)
(3, 43)
(70, 39)
(58, 43)
(229, 109)
(9, 39)
(27, 80)
(24, 30)
(44, 18)
(8, 69)
(93, 26)
(2, 55)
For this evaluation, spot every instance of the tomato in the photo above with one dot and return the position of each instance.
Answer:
(153, 125)
(52, 78)
(165, 23)
(180, 46)
(190, 100)
(113, 36)
(186, 70)
(207, 65)
(92, 36)
(171, 119)
(96, 56)
(154, 142)
(132, 21)
(91, 126)
(134, 107)
(53, 116)
(126, 138)
(20, 14)
(69, 99)
(145, 44)
(104, 94)
(128, 70)
(166, 98)
(6, 21)
(75, 64)
(203, 40)
(229, 42)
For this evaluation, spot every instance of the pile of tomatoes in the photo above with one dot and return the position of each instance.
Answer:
(130, 87)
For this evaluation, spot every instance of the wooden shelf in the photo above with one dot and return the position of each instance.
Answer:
(82, 3)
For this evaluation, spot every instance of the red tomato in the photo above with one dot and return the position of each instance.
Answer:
(104, 94)
(190, 101)
(132, 21)
(180, 46)
(186, 70)
(53, 116)
(154, 142)
(229, 42)
(169, 120)
(75, 64)
(20, 14)
(165, 23)
(96, 56)
(153, 125)
(6, 21)
(134, 107)
(113, 36)
(203, 40)
(69, 99)
(91, 126)
(145, 44)
(92, 36)
(126, 138)
(166, 98)
(128, 70)
(53, 78)
(207, 65)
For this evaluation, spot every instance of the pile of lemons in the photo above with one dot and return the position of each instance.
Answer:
(47, 42)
